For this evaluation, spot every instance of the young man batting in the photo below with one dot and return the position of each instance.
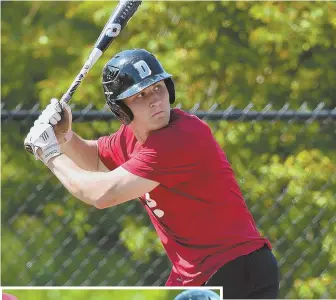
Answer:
(172, 163)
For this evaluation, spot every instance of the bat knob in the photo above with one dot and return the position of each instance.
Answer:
(29, 149)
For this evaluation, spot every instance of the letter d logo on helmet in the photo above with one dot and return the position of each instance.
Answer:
(197, 295)
(143, 69)
(128, 73)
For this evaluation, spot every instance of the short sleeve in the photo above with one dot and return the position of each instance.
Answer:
(105, 151)
(166, 158)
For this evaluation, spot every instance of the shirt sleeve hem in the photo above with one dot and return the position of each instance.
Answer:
(111, 165)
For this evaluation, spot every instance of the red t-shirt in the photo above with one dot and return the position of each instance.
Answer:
(197, 210)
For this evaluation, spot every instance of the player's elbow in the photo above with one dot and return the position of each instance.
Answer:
(103, 198)
(109, 198)
(102, 203)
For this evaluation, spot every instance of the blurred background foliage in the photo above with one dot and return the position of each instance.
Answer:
(221, 54)
(143, 294)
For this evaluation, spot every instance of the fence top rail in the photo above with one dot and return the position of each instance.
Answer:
(232, 115)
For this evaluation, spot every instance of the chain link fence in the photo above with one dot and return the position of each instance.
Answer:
(284, 161)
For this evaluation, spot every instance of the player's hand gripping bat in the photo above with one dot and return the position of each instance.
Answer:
(118, 20)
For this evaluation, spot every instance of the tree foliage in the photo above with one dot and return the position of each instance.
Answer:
(221, 54)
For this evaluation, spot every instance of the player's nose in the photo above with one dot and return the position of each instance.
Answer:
(154, 99)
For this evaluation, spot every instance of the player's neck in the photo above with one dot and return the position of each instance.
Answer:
(140, 135)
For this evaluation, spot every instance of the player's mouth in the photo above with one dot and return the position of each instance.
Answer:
(157, 113)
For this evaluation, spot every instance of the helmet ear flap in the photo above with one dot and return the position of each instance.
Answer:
(171, 89)
(121, 111)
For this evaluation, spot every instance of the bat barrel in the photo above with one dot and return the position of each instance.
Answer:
(118, 20)
(120, 17)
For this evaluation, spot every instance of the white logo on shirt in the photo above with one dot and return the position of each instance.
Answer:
(151, 204)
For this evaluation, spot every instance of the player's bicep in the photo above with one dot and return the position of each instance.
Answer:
(126, 186)
(133, 186)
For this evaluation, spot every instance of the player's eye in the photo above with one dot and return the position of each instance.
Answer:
(157, 87)
(142, 94)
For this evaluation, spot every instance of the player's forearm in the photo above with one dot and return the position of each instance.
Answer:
(68, 174)
(93, 188)
(83, 152)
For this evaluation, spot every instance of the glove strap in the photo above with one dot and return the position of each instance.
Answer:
(48, 153)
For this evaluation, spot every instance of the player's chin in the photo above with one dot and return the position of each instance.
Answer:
(159, 123)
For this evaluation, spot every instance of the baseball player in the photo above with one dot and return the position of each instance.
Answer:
(171, 162)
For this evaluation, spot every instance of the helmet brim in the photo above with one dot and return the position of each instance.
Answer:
(137, 88)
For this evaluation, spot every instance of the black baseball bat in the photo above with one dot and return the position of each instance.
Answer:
(118, 20)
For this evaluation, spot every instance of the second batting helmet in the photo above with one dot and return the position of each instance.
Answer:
(128, 73)
(197, 295)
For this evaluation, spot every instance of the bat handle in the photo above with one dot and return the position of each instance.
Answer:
(66, 97)
(92, 59)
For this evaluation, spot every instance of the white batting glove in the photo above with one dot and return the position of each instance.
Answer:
(51, 114)
(60, 116)
(42, 140)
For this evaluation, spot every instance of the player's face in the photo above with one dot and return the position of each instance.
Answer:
(150, 107)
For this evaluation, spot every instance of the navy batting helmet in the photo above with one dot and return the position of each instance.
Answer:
(197, 295)
(128, 73)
